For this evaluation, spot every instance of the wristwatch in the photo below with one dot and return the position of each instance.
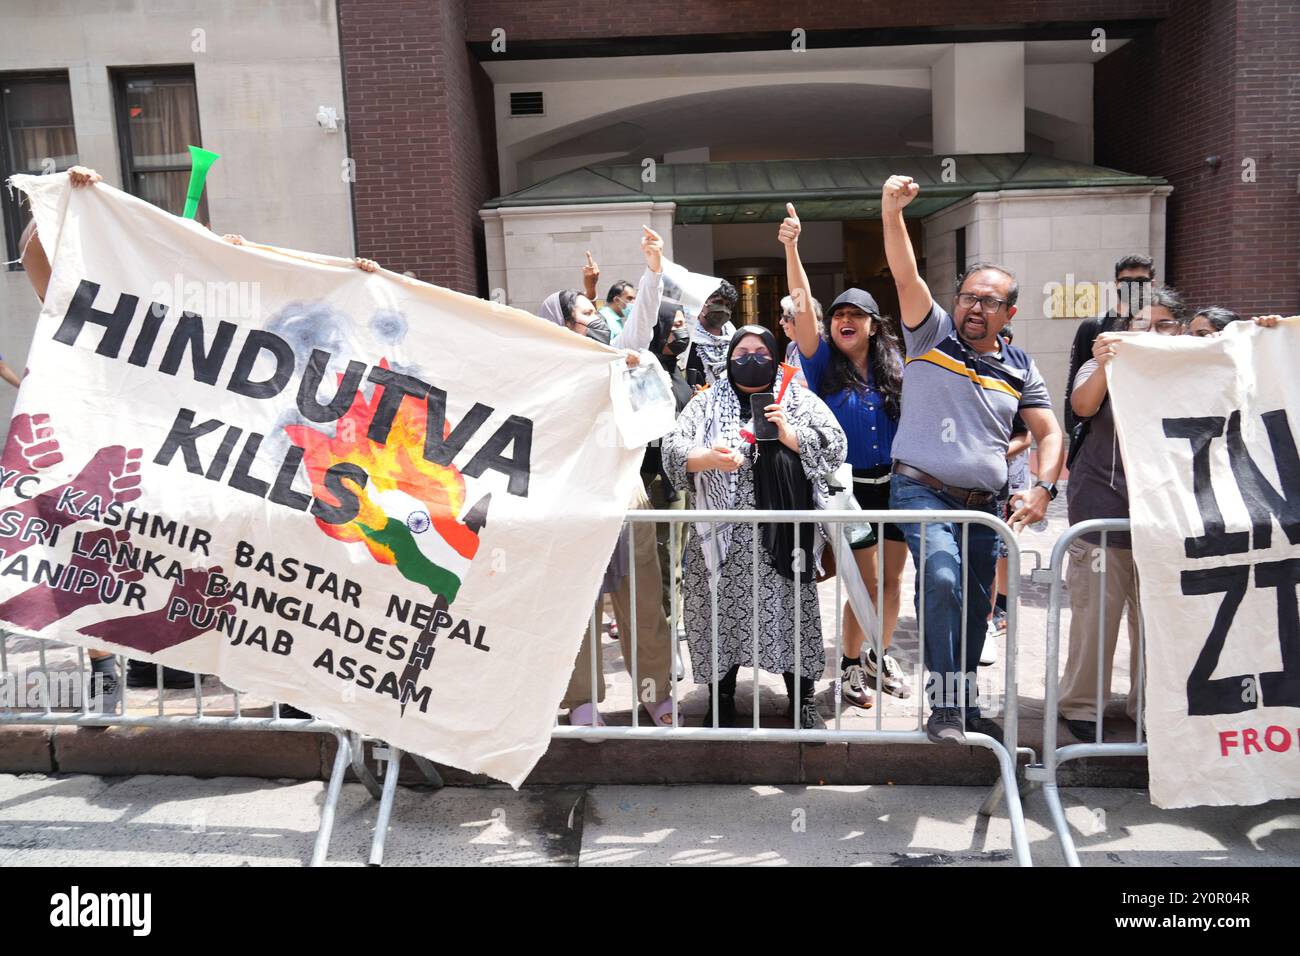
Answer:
(1050, 486)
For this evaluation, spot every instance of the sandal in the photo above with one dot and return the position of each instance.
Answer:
(661, 713)
(585, 715)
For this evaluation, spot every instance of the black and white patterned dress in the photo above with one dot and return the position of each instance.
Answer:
(714, 415)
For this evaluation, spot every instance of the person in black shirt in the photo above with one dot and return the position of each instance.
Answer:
(1133, 275)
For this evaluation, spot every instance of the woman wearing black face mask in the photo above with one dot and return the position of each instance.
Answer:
(706, 451)
(711, 336)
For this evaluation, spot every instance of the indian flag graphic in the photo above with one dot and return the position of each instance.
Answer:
(427, 550)
(412, 511)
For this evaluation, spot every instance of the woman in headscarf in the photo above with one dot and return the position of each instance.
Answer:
(575, 311)
(852, 359)
(728, 472)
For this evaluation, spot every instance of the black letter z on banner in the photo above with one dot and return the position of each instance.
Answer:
(1282, 688)
(1223, 695)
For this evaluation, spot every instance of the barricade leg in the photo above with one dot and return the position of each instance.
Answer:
(1053, 798)
(994, 798)
(429, 770)
(1054, 756)
(359, 767)
(391, 774)
(341, 757)
(1015, 810)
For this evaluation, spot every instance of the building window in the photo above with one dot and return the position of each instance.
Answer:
(157, 118)
(36, 115)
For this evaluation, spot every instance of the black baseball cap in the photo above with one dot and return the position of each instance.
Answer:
(862, 299)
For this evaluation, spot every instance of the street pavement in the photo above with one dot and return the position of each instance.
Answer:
(77, 820)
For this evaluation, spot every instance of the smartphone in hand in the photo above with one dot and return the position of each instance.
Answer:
(763, 429)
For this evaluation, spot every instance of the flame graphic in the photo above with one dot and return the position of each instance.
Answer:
(409, 509)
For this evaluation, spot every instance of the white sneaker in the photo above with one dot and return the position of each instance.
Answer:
(853, 686)
(893, 682)
(989, 655)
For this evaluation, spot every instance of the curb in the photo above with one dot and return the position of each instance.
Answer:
(124, 751)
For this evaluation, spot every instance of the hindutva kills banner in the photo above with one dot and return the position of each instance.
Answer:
(383, 502)
(1209, 430)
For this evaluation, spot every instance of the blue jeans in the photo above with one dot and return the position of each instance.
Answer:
(943, 582)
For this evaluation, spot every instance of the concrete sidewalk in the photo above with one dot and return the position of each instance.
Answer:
(79, 820)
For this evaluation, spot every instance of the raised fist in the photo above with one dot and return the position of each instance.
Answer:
(32, 445)
(897, 192)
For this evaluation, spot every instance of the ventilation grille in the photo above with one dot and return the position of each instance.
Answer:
(527, 104)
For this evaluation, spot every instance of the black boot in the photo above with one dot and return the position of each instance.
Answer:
(726, 700)
(808, 717)
(726, 709)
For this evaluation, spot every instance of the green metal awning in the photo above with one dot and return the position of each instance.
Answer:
(757, 191)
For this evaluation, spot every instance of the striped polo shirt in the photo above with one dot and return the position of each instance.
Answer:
(959, 404)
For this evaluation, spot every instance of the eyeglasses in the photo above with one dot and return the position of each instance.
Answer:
(1168, 326)
(1139, 280)
(988, 303)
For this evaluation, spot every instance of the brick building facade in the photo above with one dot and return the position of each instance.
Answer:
(1196, 79)
(1216, 80)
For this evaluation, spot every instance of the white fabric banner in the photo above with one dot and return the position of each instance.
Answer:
(220, 462)
(690, 289)
(1209, 430)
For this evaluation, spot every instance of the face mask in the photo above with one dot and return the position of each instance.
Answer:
(716, 316)
(624, 312)
(678, 342)
(751, 371)
(598, 329)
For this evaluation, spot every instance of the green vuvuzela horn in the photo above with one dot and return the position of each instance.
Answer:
(201, 161)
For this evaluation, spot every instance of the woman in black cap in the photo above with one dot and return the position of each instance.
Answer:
(731, 472)
(857, 369)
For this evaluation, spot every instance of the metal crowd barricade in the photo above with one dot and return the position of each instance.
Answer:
(1054, 756)
(348, 752)
(1006, 786)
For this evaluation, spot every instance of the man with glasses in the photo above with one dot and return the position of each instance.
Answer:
(1134, 276)
(961, 393)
